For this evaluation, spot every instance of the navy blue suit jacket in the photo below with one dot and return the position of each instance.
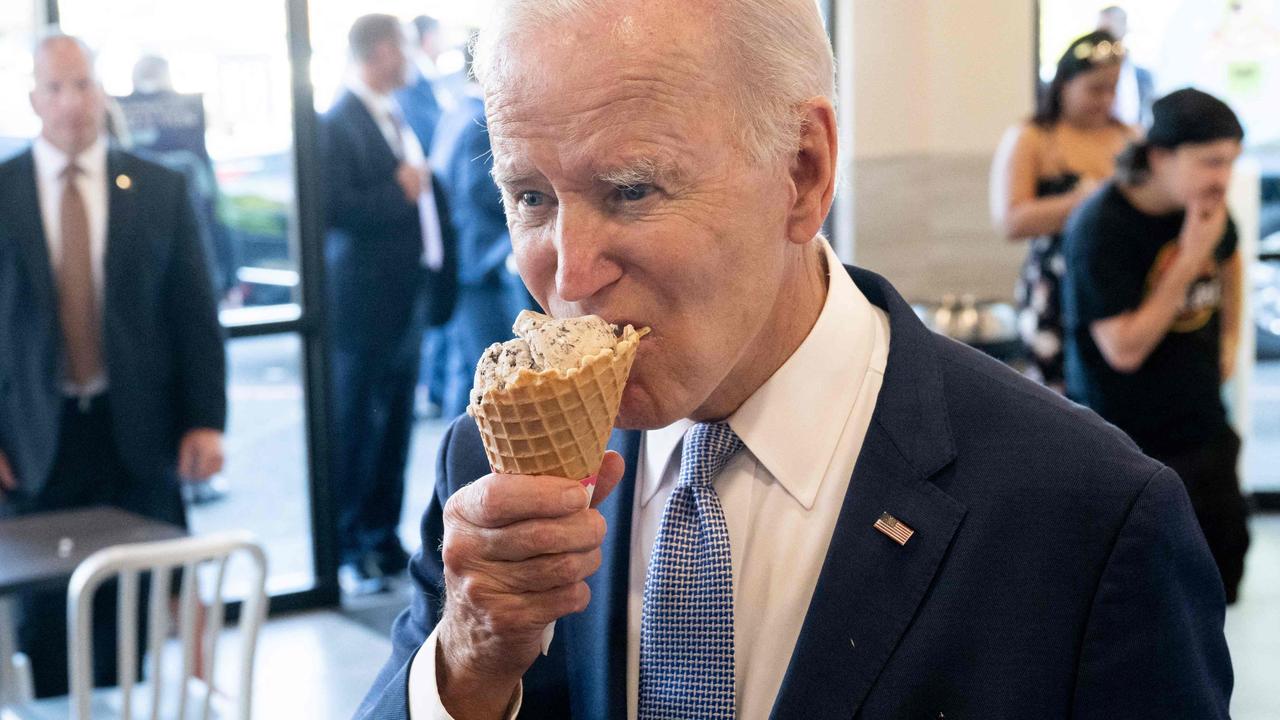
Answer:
(420, 107)
(462, 159)
(373, 243)
(162, 342)
(1055, 571)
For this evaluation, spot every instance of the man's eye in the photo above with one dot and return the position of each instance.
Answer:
(532, 199)
(634, 193)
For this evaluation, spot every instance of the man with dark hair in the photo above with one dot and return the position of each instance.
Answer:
(390, 274)
(424, 100)
(112, 370)
(1152, 299)
(420, 98)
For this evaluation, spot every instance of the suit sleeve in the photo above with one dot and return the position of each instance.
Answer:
(8, 285)
(350, 205)
(483, 240)
(1154, 645)
(388, 699)
(193, 318)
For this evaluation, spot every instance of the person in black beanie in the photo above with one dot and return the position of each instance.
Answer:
(1152, 300)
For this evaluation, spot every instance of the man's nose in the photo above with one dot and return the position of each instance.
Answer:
(582, 269)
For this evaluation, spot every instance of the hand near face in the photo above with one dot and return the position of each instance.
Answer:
(517, 551)
(1202, 230)
(200, 454)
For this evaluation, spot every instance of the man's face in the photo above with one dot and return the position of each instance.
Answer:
(67, 97)
(430, 44)
(388, 64)
(627, 198)
(1196, 172)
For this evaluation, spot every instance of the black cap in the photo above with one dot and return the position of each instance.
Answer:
(1191, 116)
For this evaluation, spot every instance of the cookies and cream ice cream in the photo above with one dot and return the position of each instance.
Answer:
(545, 401)
(543, 343)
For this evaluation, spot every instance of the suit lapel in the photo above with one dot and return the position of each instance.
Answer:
(378, 142)
(870, 587)
(122, 238)
(28, 233)
(596, 639)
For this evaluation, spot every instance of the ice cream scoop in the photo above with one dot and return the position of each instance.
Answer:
(543, 343)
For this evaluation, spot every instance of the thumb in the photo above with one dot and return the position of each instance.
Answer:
(607, 477)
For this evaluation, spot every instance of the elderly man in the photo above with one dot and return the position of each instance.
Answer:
(819, 508)
(112, 372)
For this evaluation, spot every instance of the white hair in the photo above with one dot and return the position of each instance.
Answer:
(779, 49)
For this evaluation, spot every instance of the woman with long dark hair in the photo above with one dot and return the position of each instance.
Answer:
(1044, 168)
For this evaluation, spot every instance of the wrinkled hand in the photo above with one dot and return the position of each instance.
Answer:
(200, 454)
(1202, 230)
(8, 480)
(410, 180)
(517, 550)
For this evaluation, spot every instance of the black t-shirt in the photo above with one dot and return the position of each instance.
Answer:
(1115, 255)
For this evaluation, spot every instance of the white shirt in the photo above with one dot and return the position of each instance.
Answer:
(405, 146)
(92, 184)
(1128, 102)
(803, 430)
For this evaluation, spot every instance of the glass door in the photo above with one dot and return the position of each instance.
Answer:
(18, 124)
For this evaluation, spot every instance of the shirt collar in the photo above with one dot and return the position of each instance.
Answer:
(50, 161)
(793, 422)
(379, 104)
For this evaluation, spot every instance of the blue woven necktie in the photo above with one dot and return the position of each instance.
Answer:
(686, 628)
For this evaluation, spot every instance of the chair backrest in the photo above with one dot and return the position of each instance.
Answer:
(128, 563)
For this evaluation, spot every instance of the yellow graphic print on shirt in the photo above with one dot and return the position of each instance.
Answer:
(1203, 297)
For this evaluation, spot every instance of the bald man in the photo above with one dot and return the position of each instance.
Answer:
(113, 368)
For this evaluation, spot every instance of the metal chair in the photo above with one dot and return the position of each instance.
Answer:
(161, 700)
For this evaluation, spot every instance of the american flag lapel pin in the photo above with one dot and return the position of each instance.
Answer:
(897, 530)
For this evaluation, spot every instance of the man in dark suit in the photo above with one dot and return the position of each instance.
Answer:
(819, 509)
(424, 102)
(490, 295)
(113, 361)
(420, 98)
(390, 273)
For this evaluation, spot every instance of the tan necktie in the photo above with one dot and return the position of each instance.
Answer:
(77, 296)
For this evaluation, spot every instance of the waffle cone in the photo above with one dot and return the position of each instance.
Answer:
(556, 422)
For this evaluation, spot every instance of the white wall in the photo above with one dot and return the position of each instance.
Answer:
(939, 76)
(935, 84)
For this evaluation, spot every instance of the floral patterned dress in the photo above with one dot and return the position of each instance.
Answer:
(1038, 295)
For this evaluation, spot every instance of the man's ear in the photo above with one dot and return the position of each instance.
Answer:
(813, 171)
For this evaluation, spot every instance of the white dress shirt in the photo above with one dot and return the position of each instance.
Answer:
(803, 430)
(404, 145)
(1128, 102)
(50, 162)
